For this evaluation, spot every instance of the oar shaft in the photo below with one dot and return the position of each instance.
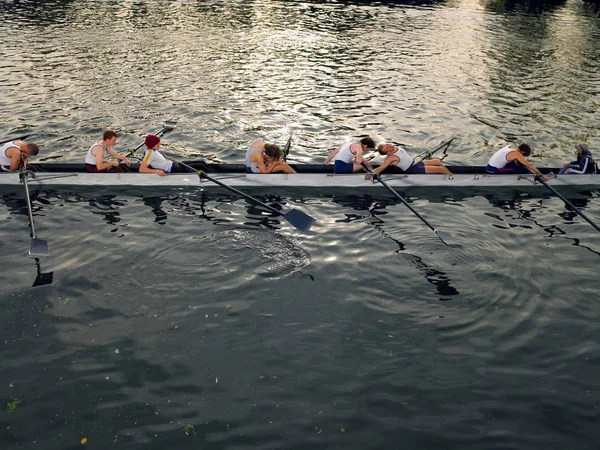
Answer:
(567, 202)
(393, 191)
(445, 144)
(24, 178)
(159, 133)
(223, 185)
(18, 138)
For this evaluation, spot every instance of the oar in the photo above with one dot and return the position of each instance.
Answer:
(428, 154)
(19, 138)
(169, 125)
(295, 217)
(443, 235)
(567, 202)
(37, 247)
(286, 149)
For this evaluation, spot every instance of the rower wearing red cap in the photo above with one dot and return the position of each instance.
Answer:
(154, 161)
(94, 159)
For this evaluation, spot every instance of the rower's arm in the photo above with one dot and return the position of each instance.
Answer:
(15, 157)
(359, 154)
(112, 152)
(388, 160)
(145, 165)
(521, 159)
(331, 155)
(257, 157)
(100, 163)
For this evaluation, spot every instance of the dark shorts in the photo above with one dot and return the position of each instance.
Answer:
(92, 169)
(508, 169)
(418, 168)
(343, 167)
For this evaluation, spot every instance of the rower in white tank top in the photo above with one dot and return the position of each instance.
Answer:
(345, 154)
(405, 160)
(90, 158)
(5, 161)
(498, 159)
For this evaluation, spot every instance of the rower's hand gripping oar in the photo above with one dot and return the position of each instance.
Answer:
(37, 247)
(168, 126)
(443, 235)
(295, 217)
(559, 195)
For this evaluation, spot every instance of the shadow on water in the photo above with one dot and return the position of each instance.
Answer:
(526, 210)
(36, 12)
(531, 6)
(42, 278)
(374, 209)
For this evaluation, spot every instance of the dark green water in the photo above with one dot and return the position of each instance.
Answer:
(189, 319)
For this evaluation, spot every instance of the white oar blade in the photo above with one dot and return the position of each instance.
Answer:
(38, 247)
(446, 238)
(300, 220)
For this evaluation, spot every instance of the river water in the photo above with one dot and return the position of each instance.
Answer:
(191, 319)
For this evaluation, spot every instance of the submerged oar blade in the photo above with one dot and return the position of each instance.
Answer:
(446, 238)
(38, 247)
(300, 220)
(43, 278)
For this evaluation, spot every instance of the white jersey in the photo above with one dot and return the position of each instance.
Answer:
(156, 160)
(5, 160)
(498, 159)
(90, 158)
(251, 164)
(345, 154)
(405, 159)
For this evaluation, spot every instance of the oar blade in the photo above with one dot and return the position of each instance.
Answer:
(299, 220)
(446, 238)
(43, 278)
(286, 149)
(38, 247)
(169, 125)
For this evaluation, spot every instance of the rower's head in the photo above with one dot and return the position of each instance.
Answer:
(386, 149)
(525, 149)
(273, 151)
(582, 147)
(110, 137)
(152, 141)
(368, 143)
(32, 149)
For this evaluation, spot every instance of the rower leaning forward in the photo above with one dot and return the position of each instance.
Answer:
(511, 159)
(12, 152)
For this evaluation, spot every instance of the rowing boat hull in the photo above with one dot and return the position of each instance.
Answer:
(474, 178)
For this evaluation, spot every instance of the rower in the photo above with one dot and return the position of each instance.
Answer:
(397, 156)
(154, 161)
(510, 159)
(265, 158)
(584, 163)
(275, 160)
(11, 153)
(349, 156)
(94, 159)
